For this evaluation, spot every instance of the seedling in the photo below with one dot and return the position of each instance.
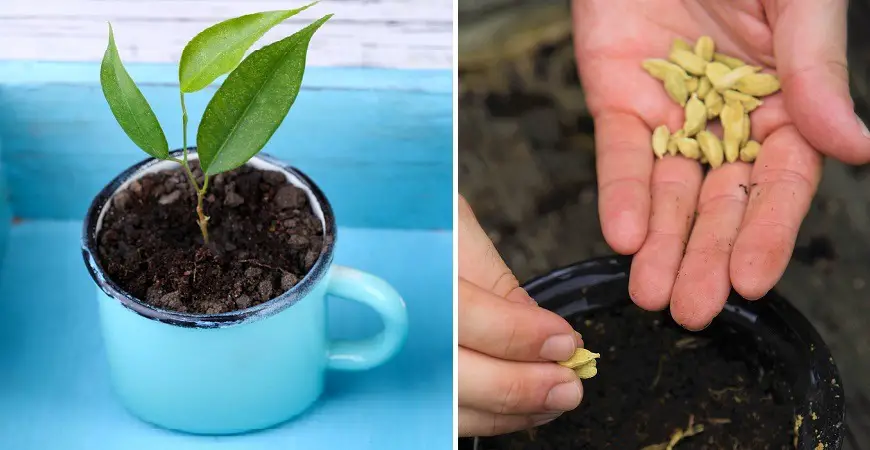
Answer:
(245, 110)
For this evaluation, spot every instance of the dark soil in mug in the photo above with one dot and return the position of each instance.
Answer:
(654, 378)
(264, 237)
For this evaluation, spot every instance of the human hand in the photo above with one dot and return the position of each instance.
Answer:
(507, 345)
(748, 216)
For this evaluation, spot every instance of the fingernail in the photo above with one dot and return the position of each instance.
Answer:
(565, 396)
(540, 419)
(864, 129)
(579, 339)
(559, 347)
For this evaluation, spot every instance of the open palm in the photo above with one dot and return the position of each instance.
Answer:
(696, 236)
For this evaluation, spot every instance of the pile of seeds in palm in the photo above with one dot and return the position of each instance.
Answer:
(710, 85)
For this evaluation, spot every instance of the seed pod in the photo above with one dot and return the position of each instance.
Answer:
(587, 371)
(688, 61)
(659, 68)
(732, 117)
(715, 72)
(680, 44)
(689, 148)
(729, 61)
(580, 357)
(731, 78)
(675, 86)
(746, 130)
(660, 138)
(750, 103)
(704, 48)
(758, 84)
(704, 87)
(714, 104)
(711, 146)
(692, 84)
(750, 151)
(696, 116)
(672, 142)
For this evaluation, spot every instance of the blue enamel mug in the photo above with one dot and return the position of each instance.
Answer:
(242, 370)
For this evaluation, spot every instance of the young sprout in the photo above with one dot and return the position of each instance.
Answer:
(245, 110)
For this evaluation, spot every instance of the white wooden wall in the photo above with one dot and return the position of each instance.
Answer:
(368, 33)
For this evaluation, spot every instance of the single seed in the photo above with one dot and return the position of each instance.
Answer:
(680, 44)
(688, 61)
(729, 61)
(746, 129)
(689, 148)
(704, 87)
(660, 139)
(692, 84)
(750, 103)
(696, 116)
(716, 72)
(675, 86)
(714, 104)
(672, 142)
(659, 68)
(750, 151)
(711, 147)
(583, 363)
(732, 123)
(704, 48)
(587, 371)
(758, 84)
(731, 78)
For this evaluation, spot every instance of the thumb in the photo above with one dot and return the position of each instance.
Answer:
(810, 49)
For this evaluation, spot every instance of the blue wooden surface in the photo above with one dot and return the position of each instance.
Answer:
(378, 141)
(5, 209)
(54, 391)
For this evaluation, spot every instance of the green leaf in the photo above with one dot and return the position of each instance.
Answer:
(129, 106)
(253, 101)
(219, 48)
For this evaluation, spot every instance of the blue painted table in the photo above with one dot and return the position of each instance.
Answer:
(385, 164)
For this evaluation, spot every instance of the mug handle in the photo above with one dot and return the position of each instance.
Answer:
(364, 354)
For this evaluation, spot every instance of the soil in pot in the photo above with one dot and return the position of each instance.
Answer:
(264, 238)
(654, 378)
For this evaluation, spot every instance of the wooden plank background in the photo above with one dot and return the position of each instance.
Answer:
(363, 33)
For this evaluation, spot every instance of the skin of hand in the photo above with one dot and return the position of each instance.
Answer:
(508, 380)
(694, 238)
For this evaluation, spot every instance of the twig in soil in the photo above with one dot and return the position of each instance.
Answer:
(258, 263)
(717, 394)
(690, 342)
(658, 373)
(691, 430)
(718, 421)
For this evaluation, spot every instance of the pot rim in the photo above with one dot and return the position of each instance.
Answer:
(317, 272)
(824, 393)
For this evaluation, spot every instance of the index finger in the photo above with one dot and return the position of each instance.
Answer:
(510, 330)
(479, 261)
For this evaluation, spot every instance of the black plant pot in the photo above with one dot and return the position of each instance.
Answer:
(815, 381)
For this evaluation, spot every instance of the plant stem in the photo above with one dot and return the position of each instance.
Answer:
(202, 219)
(183, 126)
